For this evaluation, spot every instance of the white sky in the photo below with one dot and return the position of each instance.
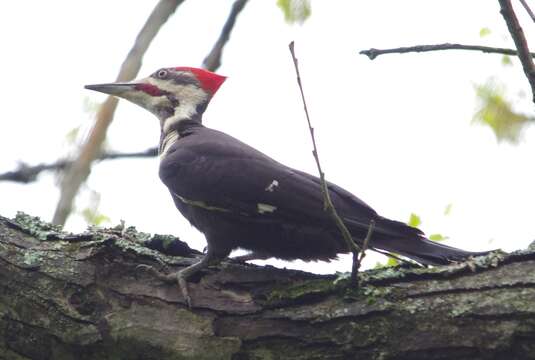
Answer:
(395, 131)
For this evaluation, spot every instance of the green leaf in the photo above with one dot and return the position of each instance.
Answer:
(93, 217)
(506, 60)
(295, 11)
(72, 135)
(437, 237)
(497, 113)
(389, 263)
(484, 32)
(414, 220)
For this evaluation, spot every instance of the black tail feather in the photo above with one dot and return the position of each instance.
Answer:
(411, 242)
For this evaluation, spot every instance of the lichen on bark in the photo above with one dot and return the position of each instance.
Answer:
(78, 296)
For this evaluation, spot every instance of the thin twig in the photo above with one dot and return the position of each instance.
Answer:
(27, 174)
(327, 202)
(373, 53)
(356, 264)
(506, 9)
(528, 10)
(213, 60)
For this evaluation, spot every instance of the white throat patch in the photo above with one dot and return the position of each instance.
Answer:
(189, 97)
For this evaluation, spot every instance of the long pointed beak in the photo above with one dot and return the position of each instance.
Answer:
(116, 89)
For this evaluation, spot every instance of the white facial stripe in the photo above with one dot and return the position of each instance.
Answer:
(167, 142)
(188, 96)
(182, 112)
(145, 100)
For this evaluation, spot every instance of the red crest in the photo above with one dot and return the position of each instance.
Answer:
(210, 81)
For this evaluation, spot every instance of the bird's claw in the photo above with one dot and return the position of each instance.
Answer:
(176, 277)
(151, 270)
(183, 286)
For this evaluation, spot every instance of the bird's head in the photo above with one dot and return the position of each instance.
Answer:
(169, 93)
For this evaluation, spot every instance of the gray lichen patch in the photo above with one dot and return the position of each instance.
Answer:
(33, 225)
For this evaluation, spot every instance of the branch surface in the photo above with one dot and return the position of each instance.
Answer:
(78, 296)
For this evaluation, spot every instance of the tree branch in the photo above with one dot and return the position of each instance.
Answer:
(78, 172)
(373, 53)
(27, 174)
(76, 296)
(328, 205)
(528, 10)
(508, 13)
(213, 60)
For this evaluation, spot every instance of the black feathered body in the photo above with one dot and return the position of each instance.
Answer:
(240, 198)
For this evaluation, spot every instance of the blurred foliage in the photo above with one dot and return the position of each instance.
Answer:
(438, 237)
(91, 214)
(484, 32)
(90, 106)
(497, 113)
(72, 135)
(295, 11)
(506, 60)
(414, 220)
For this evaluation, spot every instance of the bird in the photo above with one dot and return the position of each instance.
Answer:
(240, 198)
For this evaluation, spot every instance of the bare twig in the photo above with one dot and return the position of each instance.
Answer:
(506, 9)
(528, 10)
(27, 174)
(373, 53)
(327, 202)
(356, 264)
(80, 169)
(213, 60)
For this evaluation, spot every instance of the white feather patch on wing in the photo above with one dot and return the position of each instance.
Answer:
(265, 208)
(271, 187)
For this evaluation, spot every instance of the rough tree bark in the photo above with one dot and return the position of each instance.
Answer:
(78, 296)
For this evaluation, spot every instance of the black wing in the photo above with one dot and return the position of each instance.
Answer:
(213, 168)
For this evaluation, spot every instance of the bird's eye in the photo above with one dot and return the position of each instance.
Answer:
(162, 74)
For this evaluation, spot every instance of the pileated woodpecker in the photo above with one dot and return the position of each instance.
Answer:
(240, 198)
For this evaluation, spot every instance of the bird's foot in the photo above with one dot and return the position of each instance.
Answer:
(176, 277)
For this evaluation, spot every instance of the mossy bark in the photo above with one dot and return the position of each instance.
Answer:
(79, 296)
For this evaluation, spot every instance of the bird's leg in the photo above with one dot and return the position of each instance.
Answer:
(181, 276)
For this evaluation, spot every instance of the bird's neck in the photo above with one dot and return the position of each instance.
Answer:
(173, 128)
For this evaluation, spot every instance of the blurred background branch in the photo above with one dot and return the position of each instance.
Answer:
(79, 170)
(27, 174)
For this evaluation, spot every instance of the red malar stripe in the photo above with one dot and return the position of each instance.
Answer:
(149, 89)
